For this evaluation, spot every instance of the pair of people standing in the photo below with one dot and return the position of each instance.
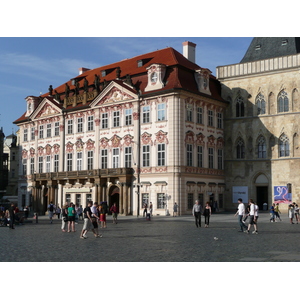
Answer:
(197, 211)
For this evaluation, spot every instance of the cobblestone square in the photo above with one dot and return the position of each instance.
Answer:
(163, 239)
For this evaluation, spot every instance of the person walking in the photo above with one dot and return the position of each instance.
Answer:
(241, 214)
(87, 221)
(272, 213)
(58, 212)
(291, 213)
(296, 211)
(102, 214)
(95, 218)
(64, 219)
(151, 208)
(196, 211)
(145, 209)
(251, 217)
(175, 210)
(207, 214)
(71, 217)
(51, 211)
(12, 216)
(114, 209)
(277, 212)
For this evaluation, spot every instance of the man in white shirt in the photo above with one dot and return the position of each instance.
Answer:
(241, 213)
(252, 217)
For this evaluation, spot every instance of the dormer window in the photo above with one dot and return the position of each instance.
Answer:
(156, 75)
(202, 79)
(140, 63)
(103, 73)
(284, 42)
(257, 47)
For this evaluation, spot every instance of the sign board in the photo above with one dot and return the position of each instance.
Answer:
(240, 192)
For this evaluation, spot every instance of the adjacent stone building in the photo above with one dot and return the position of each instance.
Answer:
(262, 142)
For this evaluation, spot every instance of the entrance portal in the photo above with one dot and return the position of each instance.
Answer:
(114, 197)
(261, 196)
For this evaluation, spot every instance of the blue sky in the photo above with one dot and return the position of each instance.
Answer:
(28, 65)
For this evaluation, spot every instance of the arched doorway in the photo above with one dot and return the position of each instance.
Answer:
(262, 193)
(114, 196)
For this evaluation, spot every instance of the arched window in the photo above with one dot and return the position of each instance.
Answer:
(283, 102)
(261, 147)
(240, 107)
(260, 104)
(284, 146)
(240, 149)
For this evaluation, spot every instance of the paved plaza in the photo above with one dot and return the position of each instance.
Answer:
(163, 239)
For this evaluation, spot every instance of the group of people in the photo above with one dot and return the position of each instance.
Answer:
(197, 211)
(92, 215)
(9, 217)
(57, 211)
(243, 214)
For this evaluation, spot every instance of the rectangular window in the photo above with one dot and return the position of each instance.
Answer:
(70, 126)
(68, 198)
(128, 155)
(128, 116)
(199, 115)
(48, 159)
(90, 123)
(41, 164)
(211, 158)
(201, 199)
(160, 200)
(189, 113)
(24, 162)
(69, 161)
(79, 161)
(104, 159)
(32, 165)
(161, 112)
(104, 121)
(25, 135)
(146, 156)
(199, 156)
(115, 162)
(190, 200)
(116, 119)
(145, 199)
(32, 133)
(78, 199)
(220, 159)
(210, 118)
(161, 154)
(146, 114)
(41, 132)
(56, 128)
(189, 155)
(90, 160)
(80, 125)
(88, 198)
(48, 130)
(220, 120)
(56, 163)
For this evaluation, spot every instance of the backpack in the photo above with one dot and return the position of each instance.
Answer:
(51, 207)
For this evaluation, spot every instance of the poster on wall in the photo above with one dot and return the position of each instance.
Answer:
(240, 192)
(282, 195)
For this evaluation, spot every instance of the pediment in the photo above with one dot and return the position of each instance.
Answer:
(113, 93)
(46, 109)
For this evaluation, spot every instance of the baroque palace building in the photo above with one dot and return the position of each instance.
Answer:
(145, 129)
(262, 134)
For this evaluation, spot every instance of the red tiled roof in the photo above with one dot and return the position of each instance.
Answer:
(179, 74)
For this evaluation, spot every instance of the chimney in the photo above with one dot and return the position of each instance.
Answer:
(82, 70)
(189, 51)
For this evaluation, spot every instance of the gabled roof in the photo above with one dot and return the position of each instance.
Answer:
(270, 47)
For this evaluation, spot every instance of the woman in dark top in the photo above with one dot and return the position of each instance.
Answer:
(207, 213)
